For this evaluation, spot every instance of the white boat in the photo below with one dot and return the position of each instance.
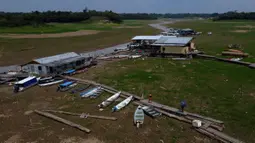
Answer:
(110, 100)
(236, 59)
(122, 104)
(49, 81)
(138, 116)
(90, 92)
(134, 56)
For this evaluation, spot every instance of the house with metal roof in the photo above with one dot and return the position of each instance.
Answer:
(173, 45)
(143, 42)
(56, 64)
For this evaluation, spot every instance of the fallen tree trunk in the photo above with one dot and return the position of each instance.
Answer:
(61, 120)
(87, 115)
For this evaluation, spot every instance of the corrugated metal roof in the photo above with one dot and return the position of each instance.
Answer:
(169, 40)
(147, 37)
(55, 58)
(64, 61)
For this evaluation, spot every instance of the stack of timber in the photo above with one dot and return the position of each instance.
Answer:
(227, 53)
(224, 60)
(210, 127)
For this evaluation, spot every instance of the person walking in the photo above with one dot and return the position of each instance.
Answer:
(183, 105)
(150, 98)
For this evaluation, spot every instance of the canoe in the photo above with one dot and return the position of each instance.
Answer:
(49, 81)
(122, 104)
(150, 111)
(235, 59)
(81, 71)
(109, 100)
(90, 92)
(138, 116)
(67, 86)
(79, 89)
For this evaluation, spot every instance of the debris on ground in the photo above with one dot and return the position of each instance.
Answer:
(61, 120)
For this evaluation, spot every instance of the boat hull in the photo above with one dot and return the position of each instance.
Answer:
(110, 100)
(122, 104)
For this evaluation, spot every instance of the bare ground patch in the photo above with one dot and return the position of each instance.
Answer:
(240, 31)
(54, 35)
(129, 27)
(80, 140)
(246, 26)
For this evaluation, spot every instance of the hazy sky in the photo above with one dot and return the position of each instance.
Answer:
(150, 6)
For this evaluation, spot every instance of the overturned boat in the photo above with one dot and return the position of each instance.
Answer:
(48, 81)
(122, 104)
(92, 92)
(110, 100)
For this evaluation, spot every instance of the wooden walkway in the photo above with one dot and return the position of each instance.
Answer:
(211, 127)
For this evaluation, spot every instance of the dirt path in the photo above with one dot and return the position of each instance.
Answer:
(53, 35)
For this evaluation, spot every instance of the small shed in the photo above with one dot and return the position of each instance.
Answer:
(56, 64)
(174, 45)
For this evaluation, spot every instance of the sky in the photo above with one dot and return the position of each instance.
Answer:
(130, 6)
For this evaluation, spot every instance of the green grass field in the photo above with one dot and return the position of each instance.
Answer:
(68, 27)
(211, 88)
(19, 51)
(223, 35)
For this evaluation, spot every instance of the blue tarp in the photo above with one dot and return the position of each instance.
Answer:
(66, 83)
(69, 71)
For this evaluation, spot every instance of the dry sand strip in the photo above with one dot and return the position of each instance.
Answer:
(53, 35)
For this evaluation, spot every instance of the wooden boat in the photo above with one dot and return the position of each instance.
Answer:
(110, 100)
(138, 116)
(50, 81)
(235, 59)
(66, 86)
(79, 89)
(90, 92)
(81, 71)
(122, 104)
(150, 111)
(134, 56)
(25, 83)
(69, 72)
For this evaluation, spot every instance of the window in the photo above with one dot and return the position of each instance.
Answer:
(39, 68)
(32, 68)
(51, 70)
(78, 63)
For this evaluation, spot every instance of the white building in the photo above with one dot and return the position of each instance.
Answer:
(56, 64)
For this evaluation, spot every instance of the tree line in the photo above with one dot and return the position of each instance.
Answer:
(37, 18)
(233, 15)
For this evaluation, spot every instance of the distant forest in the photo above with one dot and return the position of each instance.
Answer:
(233, 15)
(37, 18)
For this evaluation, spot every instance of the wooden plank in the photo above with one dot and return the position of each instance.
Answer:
(175, 110)
(210, 135)
(87, 115)
(223, 136)
(61, 120)
(157, 105)
(102, 85)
